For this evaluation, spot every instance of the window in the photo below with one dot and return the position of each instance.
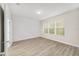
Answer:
(54, 27)
(45, 26)
(60, 27)
(51, 28)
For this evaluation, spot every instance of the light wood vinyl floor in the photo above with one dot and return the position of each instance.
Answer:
(42, 47)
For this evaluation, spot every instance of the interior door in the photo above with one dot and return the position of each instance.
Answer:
(1, 30)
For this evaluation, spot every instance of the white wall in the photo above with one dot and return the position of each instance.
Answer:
(25, 28)
(72, 27)
(71, 22)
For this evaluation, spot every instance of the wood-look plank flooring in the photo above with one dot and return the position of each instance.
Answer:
(41, 47)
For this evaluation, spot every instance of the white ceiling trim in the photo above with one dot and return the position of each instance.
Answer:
(58, 14)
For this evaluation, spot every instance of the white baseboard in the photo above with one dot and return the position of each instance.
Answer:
(61, 41)
(33, 36)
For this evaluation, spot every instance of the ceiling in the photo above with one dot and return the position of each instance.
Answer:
(45, 9)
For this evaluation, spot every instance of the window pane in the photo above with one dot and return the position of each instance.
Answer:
(52, 28)
(60, 31)
(46, 28)
(60, 27)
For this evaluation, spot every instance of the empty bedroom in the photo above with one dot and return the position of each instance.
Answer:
(42, 29)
